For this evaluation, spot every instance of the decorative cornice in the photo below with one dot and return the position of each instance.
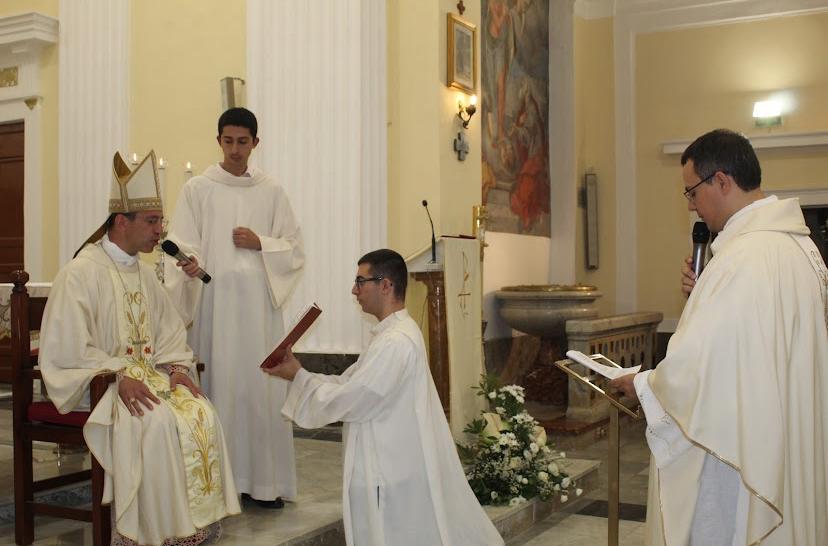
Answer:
(789, 140)
(594, 9)
(27, 31)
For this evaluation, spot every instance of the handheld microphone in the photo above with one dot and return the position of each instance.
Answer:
(701, 238)
(172, 249)
(433, 239)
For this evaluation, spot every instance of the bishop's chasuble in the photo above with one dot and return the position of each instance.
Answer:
(737, 412)
(167, 472)
(403, 484)
(237, 318)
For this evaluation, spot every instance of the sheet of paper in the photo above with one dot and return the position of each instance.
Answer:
(610, 372)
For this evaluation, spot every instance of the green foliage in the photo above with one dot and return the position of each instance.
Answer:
(508, 460)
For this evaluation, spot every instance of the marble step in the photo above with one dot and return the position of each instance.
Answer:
(510, 521)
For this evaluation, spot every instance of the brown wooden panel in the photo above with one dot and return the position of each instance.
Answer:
(11, 204)
(11, 140)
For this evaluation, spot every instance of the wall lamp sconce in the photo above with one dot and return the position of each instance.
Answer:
(469, 110)
(767, 113)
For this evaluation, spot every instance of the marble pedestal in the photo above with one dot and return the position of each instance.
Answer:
(628, 339)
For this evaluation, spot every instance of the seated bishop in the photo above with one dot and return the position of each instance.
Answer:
(157, 437)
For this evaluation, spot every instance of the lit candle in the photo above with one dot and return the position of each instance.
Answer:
(134, 159)
(188, 171)
(162, 176)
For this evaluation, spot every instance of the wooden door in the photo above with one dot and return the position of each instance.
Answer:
(11, 199)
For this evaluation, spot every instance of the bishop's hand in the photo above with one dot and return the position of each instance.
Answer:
(190, 268)
(179, 378)
(133, 393)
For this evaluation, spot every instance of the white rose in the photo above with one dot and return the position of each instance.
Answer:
(565, 482)
(564, 498)
(539, 436)
(562, 454)
(493, 395)
(500, 409)
(516, 500)
(556, 487)
(578, 492)
(524, 481)
(543, 476)
(494, 424)
(494, 495)
(534, 447)
(553, 469)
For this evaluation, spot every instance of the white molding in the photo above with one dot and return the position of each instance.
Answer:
(563, 192)
(640, 16)
(22, 38)
(594, 9)
(28, 30)
(808, 197)
(93, 114)
(789, 140)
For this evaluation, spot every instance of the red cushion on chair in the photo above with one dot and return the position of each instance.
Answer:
(46, 412)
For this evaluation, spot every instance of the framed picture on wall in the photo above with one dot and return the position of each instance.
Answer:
(462, 54)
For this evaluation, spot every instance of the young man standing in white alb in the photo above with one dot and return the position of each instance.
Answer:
(237, 224)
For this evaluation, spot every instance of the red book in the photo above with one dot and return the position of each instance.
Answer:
(308, 317)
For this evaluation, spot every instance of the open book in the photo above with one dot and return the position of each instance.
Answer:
(307, 318)
(611, 370)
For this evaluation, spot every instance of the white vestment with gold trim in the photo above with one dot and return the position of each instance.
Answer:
(168, 472)
(742, 392)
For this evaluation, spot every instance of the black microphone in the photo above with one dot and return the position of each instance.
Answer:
(701, 237)
(172, 249)
(433, 239)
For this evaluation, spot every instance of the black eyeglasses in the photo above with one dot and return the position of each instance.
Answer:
(690, 193)
(359, 281)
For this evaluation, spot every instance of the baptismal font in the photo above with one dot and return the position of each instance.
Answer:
(543, 311)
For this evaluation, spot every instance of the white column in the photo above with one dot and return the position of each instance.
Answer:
(563, 183)
(316, 77)
(94, 112)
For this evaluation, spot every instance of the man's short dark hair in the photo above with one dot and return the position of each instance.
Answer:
(727, 151)
(110, 222)
(389, 265)
(239, 117)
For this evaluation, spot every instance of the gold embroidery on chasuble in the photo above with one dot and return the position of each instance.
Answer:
(195, 418)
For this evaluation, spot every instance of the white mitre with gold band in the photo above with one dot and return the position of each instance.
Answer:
(134, 190)
(131, 191)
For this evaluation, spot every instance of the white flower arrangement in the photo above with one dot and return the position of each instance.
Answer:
(509, 460)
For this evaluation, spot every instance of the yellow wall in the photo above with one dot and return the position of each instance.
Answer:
(691, 81)
(178, 53)
(422, 124)
(49, 129)
(595, 148)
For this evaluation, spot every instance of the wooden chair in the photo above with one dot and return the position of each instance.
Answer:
(41, 421)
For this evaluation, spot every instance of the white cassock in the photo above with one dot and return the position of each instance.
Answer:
(167, 472)
(737, 412)
(237, 318)
(402, 479)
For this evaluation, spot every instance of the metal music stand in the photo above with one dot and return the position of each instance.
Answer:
(614, 450)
